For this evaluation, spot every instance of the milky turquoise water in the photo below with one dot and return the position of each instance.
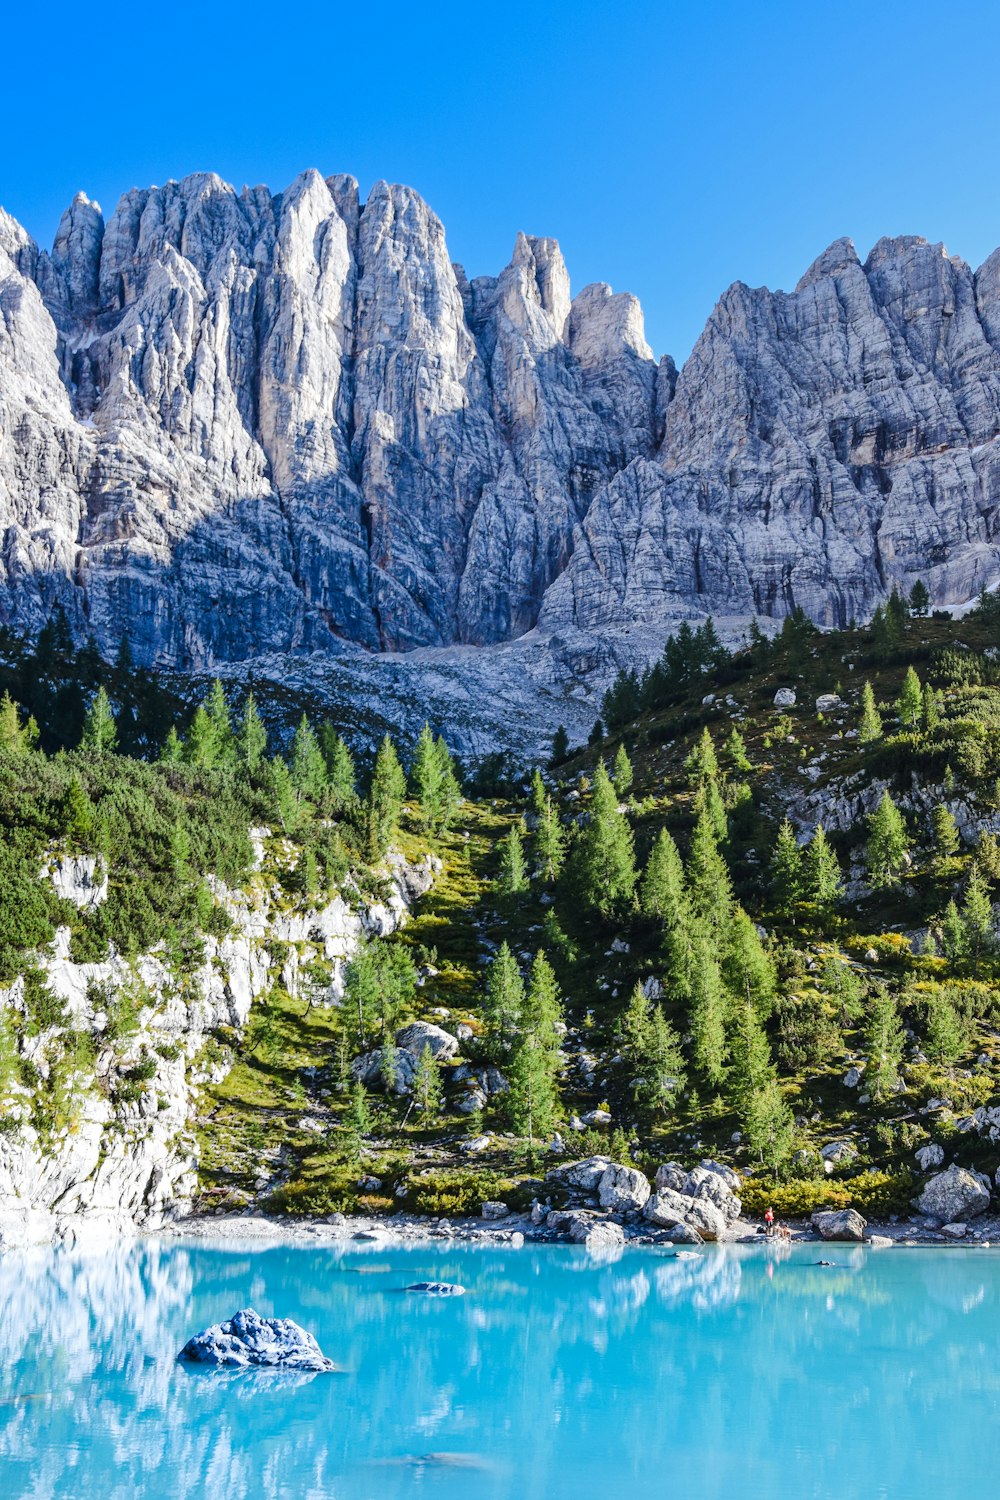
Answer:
(740, 1375)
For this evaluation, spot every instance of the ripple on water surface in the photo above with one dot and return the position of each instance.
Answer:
(740, 1373)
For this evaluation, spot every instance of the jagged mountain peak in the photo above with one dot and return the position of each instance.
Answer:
(236, 422)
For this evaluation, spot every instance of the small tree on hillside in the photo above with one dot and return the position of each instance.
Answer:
(870, 727)
(502, 1004)
(532, 1102)
(99, 731)
(888, 846)
(909, 705)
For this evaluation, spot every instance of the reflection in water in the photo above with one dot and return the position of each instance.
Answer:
(737, 1372)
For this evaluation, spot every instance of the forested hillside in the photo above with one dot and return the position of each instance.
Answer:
(752, 919)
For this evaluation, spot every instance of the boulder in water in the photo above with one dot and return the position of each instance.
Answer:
(249, 1341)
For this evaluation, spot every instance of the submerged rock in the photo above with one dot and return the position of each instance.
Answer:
(249, 1341)
(437, 1288)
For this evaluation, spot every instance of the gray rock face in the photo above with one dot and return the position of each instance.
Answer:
(622, 1189)
(839, 1224)
(244, 422)
(954, 1194)
(249, 1341)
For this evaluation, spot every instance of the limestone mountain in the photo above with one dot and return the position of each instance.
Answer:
(244, 423)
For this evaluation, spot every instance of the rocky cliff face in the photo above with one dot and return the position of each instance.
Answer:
(233, 423)
(124, 1154)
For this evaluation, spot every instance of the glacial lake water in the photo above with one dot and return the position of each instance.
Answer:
(743, 1374)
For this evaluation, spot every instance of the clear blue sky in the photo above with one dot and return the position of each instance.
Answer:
(671, 148)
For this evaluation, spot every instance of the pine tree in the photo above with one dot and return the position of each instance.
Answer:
(308, 768)
(919, 598)
(539, 796)
(220, 725)
(385, 800)
(977, 918)
(822, 881)
(512, 878)
(341, 778)
(621, 773)
(550, 842)
(768, 1126)
(747, 966)
(427, 1085)
(661, 889)
(930, 710)
(99, 732)
(750, 1066)
(560, 745)
(532, 1102)
(909, 706)
(944, 831)
(787, 877)
(425, 778)
(702, 764)
(953, 933)
(709, 887)
(449, 786)
(200, 746)
(653, 1054)
(251, 737)
(14, 736)
(503, 1002)
(708, 1011)
(945, 1034)
(77, 811)
(884, 1043)
(605, 857)
(887, 843)
(870, 727)
(283, 796)
(357, 1122)
(737, 751)
(172, 749)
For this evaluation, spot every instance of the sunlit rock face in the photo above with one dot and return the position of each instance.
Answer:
(242, 422)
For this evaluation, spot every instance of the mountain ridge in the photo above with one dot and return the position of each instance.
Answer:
(237, 424)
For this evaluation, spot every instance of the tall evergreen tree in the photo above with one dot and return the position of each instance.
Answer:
(503, 1002)
(661, 889)
(621, 772)
(532, 1102)
(708, 1015)
(870, 727)
(822, 881)
(385, 800)
(930, 709)
(425, 778)
(251, 737)
(709, 887)
(341, 777)
(884, 1043)
(768, 1126)
(887, 843)
(549, 842)
(512, 878)
(909, 705)
(427, 1085)
(560, 745)
(977, 918)
(605, 854)
(786, 883)
(919, 598)
(702, 764)
(99, 731)
(750, 1066)
(747, 966)
(944, 832)
(15, 736)
(308, 768)
(653, 1055)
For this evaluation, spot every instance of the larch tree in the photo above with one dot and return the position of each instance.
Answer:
(532, 1101)
(888, 846)
(870, 727)
(605, 852)
(503, 1003)
(99, 730)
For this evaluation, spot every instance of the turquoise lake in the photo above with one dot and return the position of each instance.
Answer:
(745, 1373)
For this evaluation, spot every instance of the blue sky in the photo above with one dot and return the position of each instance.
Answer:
(671, 148)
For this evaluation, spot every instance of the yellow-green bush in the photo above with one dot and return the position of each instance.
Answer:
(869, 1192)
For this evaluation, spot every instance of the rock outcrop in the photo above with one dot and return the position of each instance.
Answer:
(234, 423)
(248, 1341)
(127, 1156)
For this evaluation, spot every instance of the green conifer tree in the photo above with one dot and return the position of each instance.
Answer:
(308, 768)
(621, 773)
(884, 1043)
(532, 1103)
(503, 1002)
(822, 880)
(708, 1015)
(944, 832)
(909, 705)
(709, 887)
(427, 1085)
(870, 728)
(977, 918)
(385, 800)
(512, 877)
(99, 731)
(549, 842)
(605, 854)
(251, 737)
(888, 846)
(787, 877)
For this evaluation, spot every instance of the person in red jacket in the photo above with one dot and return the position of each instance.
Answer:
(769, 1222)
